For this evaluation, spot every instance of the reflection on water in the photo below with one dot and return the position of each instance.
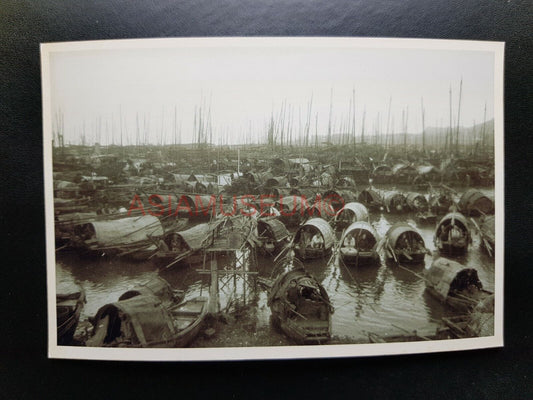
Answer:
(384, 299)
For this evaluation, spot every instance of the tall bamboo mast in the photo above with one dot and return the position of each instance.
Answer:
(423, 125)
(330, 115)
(458, 115)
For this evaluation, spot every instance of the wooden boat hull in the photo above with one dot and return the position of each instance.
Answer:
(164, 326)
(304, 331)
(452, 249)
(309, 253)
(351, 256)
(402, 258)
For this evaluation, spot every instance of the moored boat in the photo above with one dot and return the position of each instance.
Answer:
(371, 199)
(182, 247)
(150, 316)
(454, 284)
(416, 202)
(452, 235)
(394, 201)
(273, 236)
(475, 203)
(314, 239)
(358, 244)
(300, 307)
(403, 244)
(350, 213)
(133, 237)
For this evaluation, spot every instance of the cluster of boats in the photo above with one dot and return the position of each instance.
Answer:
(154, 315)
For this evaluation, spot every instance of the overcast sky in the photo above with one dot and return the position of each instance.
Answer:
(244, 85)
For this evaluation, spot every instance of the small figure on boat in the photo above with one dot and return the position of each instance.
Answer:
(314, 239)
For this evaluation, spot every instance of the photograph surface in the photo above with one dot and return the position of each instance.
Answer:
(273, 198)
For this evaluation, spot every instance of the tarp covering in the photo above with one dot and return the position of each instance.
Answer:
(396, 230)
(357, 210)
(195, 236)
(321, 226)
(473, 201)
(370, 196)
(272, 228)
(362, 226)
(457, 219)
(142, 317)
(279, 287)
(126, 230)
(445, 275)
(340, 196)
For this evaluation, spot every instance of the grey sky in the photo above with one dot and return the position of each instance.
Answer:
(244, 84)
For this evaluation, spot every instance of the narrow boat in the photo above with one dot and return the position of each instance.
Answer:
(358, 245)
(300, 307)
(454, 284)
(350, 213)
(273, 236)
(314, 239)
(70, 299)
(403, 244)
(150, 316)
(452, 235)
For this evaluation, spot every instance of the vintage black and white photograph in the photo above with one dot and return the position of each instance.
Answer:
(273, 198)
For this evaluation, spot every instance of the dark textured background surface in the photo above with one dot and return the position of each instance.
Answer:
(25, 372)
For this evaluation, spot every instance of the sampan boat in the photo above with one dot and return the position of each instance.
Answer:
(350, 213)
(455, 285)
(403, 244)
(133, 237)
(452, 235)
(300, 307)
(182, 247)
(358, 244)
(152, 315)
(314, 239)
(273, 236)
